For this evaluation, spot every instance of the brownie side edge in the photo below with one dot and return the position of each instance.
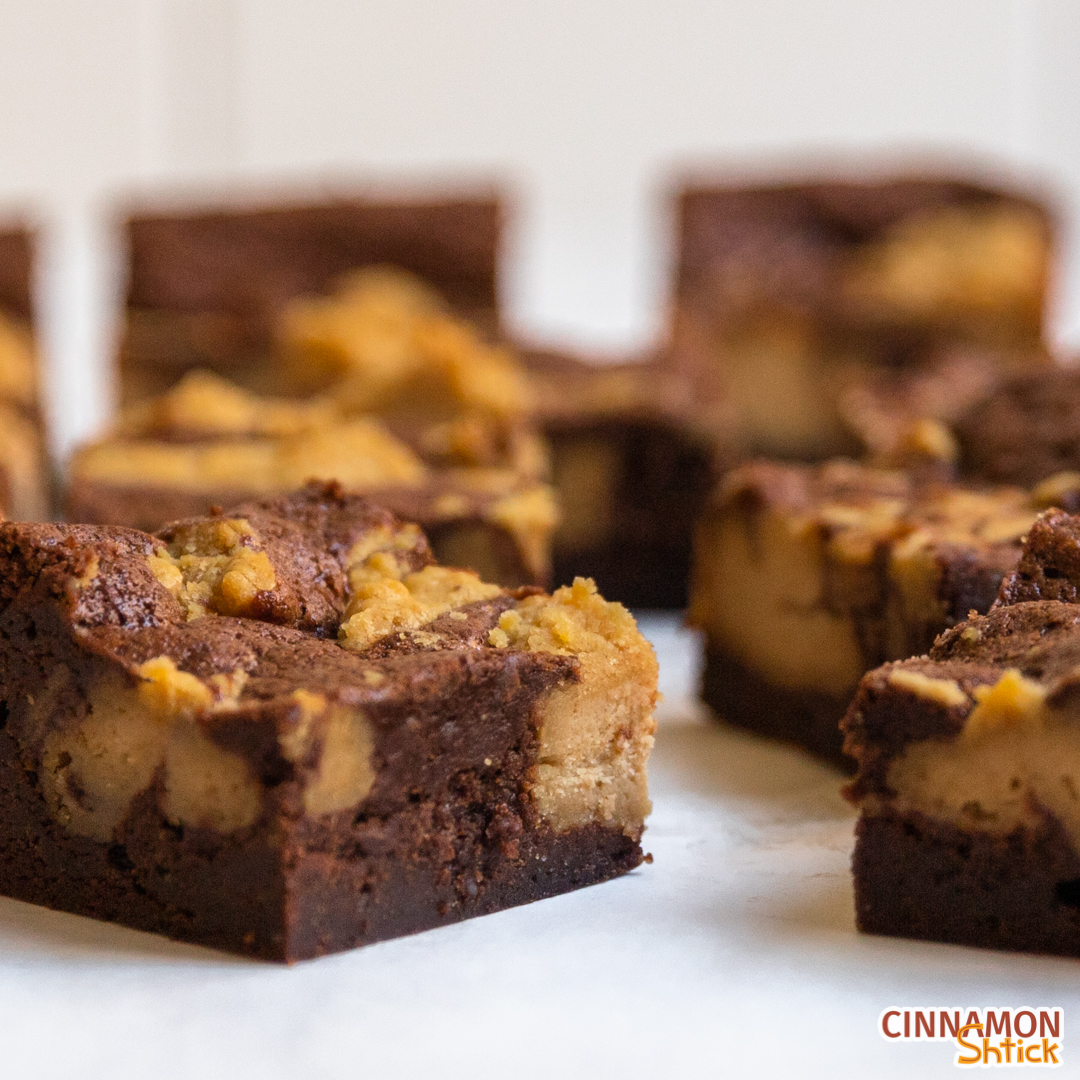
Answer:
(920, 878)
(807, 718)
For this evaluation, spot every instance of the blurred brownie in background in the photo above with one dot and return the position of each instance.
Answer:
(24, 480)
(807, 576)
(635, 449)
(208, 442)
(981, 425)
(206, 288)
(404, 400)
(798, 293)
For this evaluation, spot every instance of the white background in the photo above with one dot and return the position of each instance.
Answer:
(585, 107)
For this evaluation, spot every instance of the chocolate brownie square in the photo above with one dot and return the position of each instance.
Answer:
(207, 286)
(805, 577)
(285, 730)
(799, 292)
(968, 770)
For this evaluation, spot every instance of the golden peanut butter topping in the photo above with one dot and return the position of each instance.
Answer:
(945, 692)
(214, 566)
(386, 334)
(1012, 702)
(575, 618)
(204, 405)
(955, 260)
(359, 453)
(385, 597)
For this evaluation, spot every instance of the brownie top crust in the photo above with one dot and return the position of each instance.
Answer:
(1024, 430)
(857, 504)
(840, 247)
(249, 262)
(307, 648)
(977, 417)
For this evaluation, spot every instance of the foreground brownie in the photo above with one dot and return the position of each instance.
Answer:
(209, 443)
(969, 760)
(805, 577)
(636, 447)
(798, 293)
(286, 731)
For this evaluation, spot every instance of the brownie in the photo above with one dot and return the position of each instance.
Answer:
(206, 286)
(636, 447)
(978, 423)
(797, 293)
(24, 481)
(207, 442)
(285, 730)
(968, 760)
(1024, 430)
(805, 577)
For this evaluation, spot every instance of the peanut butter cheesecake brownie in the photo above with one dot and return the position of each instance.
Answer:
(805, 577)
(799, 292)
(207, 286)
(969, 761)
(24, 480)
(285, 730)
(207, 442)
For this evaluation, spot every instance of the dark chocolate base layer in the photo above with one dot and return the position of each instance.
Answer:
(920, 878)
(306, 892)
(808, 718)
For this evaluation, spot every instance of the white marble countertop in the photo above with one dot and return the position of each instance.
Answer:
(734, 953)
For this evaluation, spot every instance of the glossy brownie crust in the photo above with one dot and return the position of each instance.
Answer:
(925, 879)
